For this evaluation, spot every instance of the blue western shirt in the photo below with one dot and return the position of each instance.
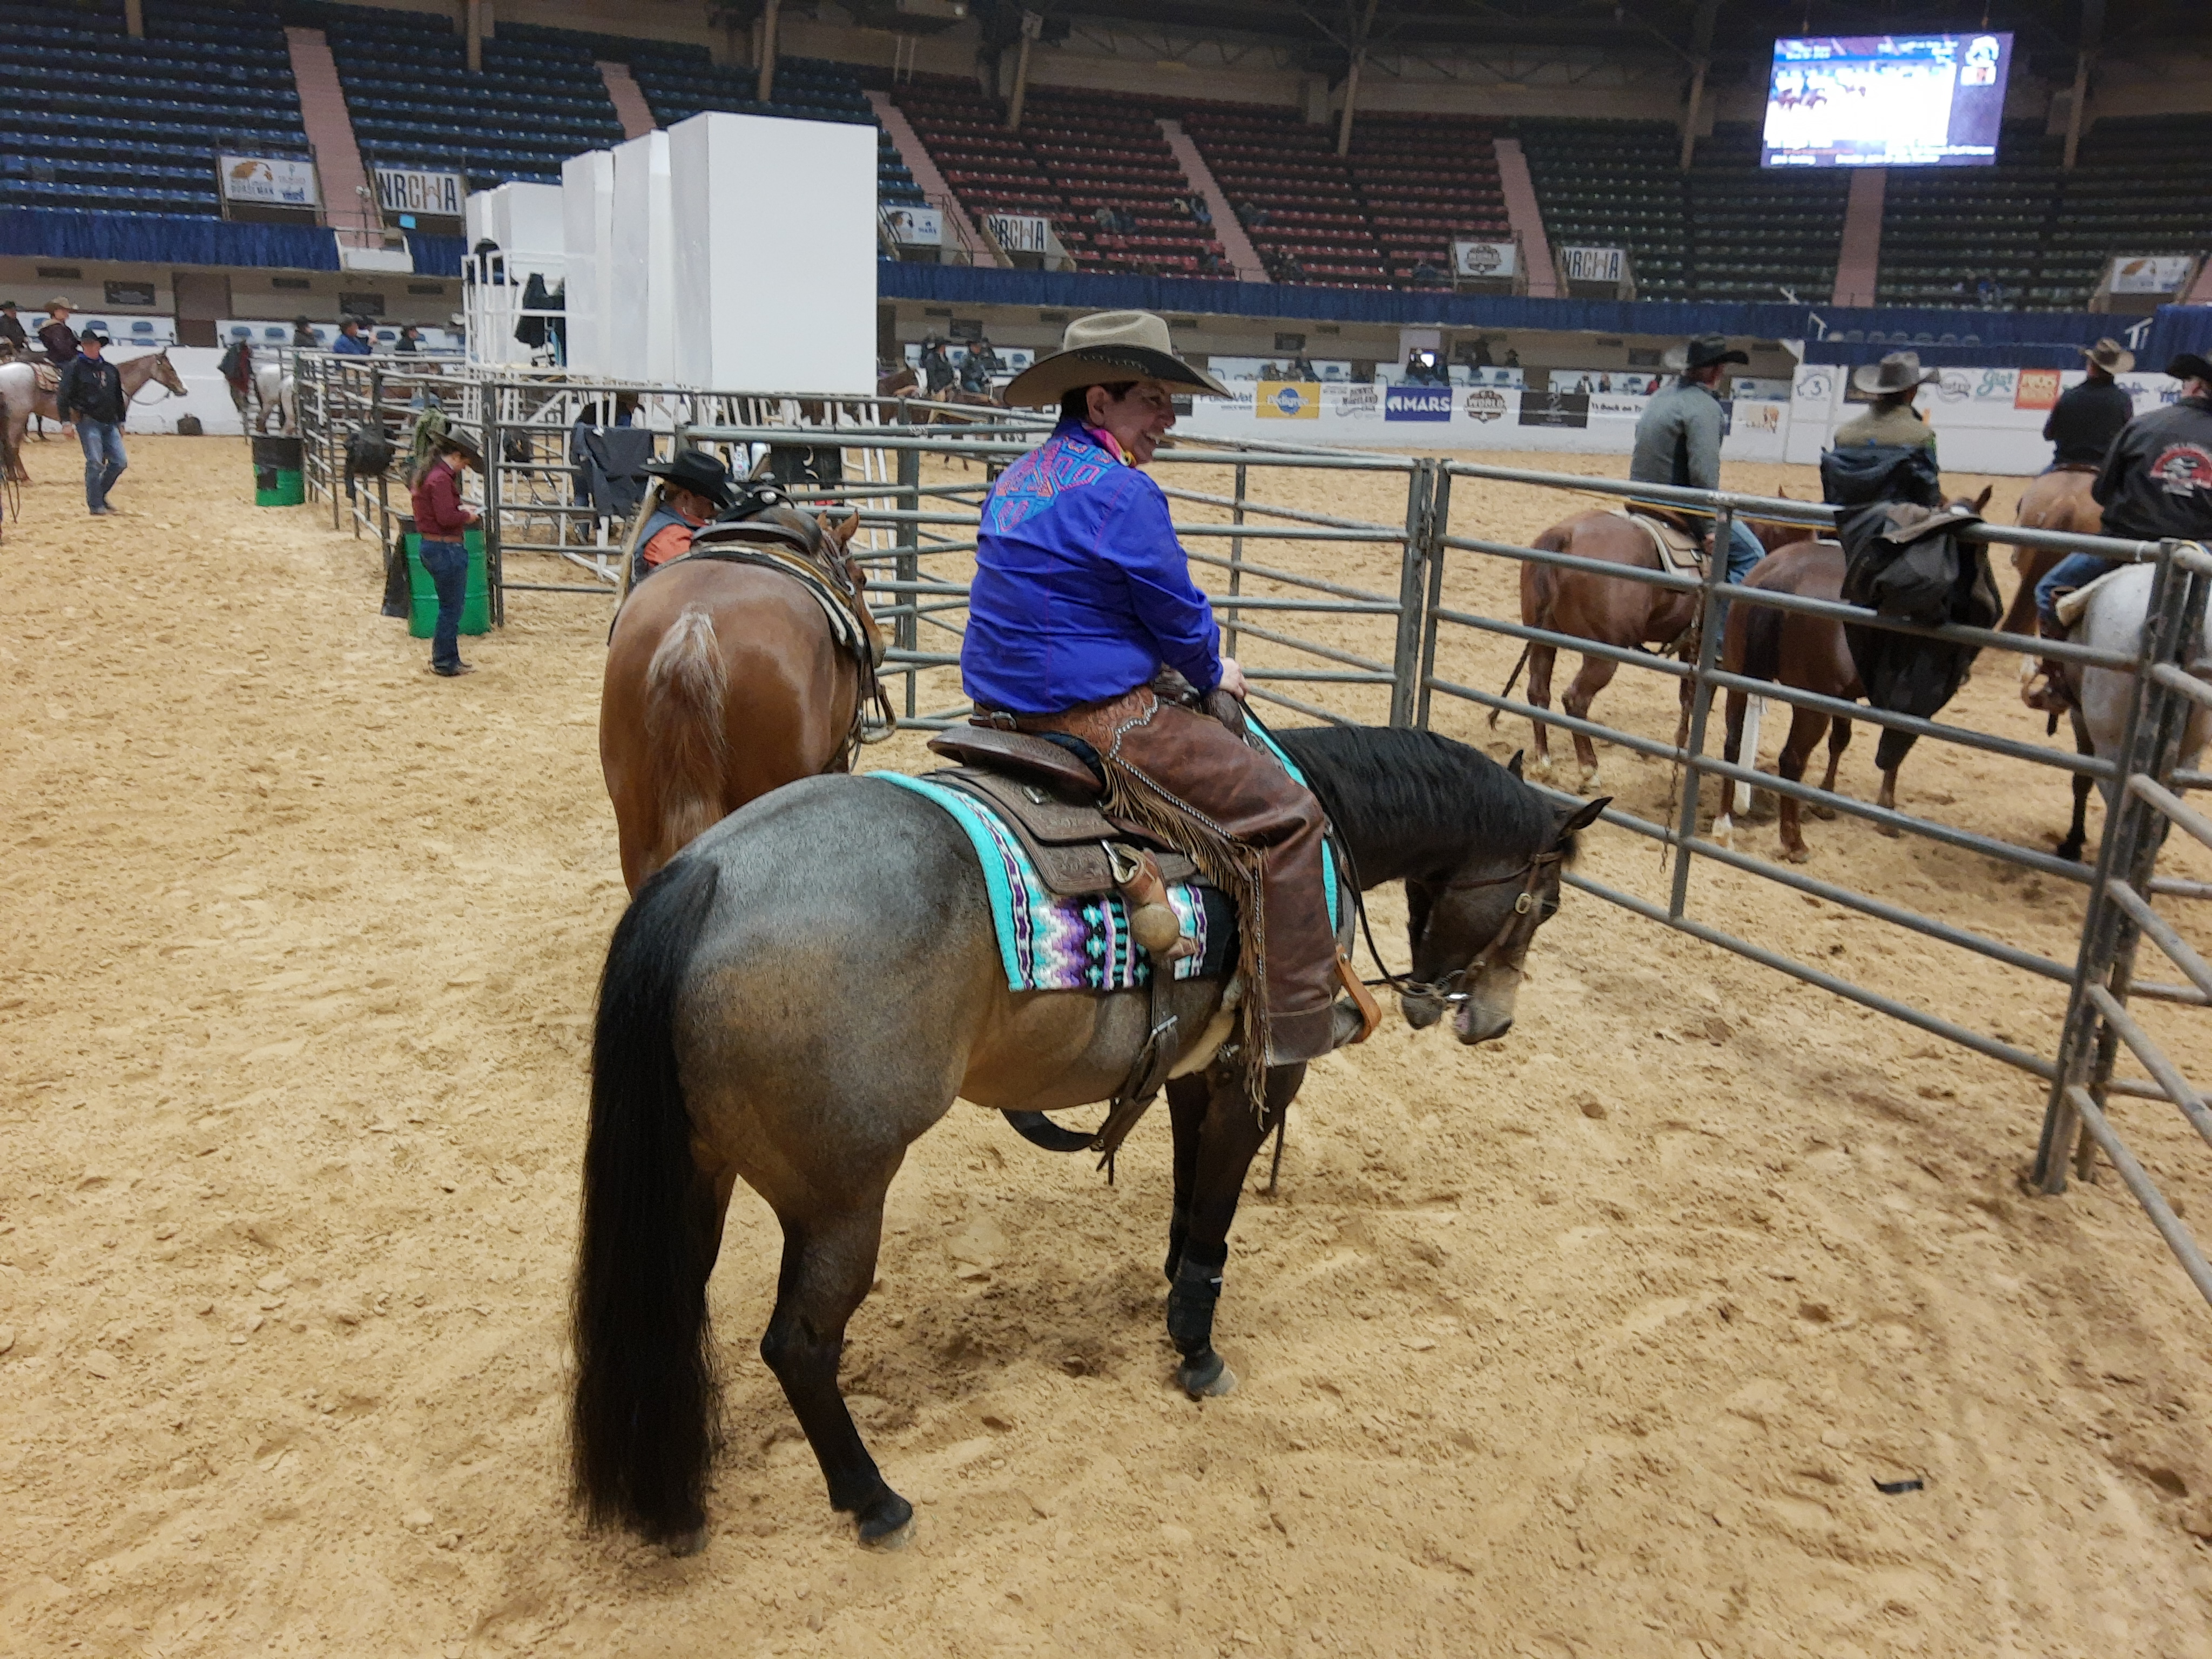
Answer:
(1081, 590)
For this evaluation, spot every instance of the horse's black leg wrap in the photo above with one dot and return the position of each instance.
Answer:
(1178, 1230)
(1191, 1300)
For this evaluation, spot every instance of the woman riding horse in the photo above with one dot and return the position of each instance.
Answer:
(1082, 599)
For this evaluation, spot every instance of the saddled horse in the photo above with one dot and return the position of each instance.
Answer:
(275, 394)
(23, 394)
(800, 995)
(724, 680)
(2057, 500)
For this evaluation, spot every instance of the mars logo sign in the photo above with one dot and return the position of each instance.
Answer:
(1485, 404)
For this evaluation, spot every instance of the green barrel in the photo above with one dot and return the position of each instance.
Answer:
(475, 608)
(277, 472)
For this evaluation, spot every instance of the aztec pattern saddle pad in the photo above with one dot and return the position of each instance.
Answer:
(1047, 943)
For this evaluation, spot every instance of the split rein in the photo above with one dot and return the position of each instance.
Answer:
(1448, 991)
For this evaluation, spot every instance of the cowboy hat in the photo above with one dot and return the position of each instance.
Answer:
(1105, 347)
(2110, 356)
(2189, 366)
(460, 438)
(95, 336)
(59, 304)
(1900, 371)
(697, 471)
(1701, 352)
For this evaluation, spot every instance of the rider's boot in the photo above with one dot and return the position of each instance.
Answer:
(2042, 682)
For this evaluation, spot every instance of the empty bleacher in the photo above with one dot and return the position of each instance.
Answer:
(1616, 183)
(1298, 202)
(1426, 181)
(1756, 233)
(94, 119)
(1944, 230)
(2140, 185)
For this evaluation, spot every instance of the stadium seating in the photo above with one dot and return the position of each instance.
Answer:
(2140, 185)
(1299, 202)
(1945, 230)
(1616, 183)
(1758, 234)
(1426, 181)
(94, 119)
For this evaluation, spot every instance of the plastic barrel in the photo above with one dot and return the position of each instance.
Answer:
(476, 607)
(278, 470)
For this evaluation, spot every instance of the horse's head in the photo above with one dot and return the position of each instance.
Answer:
(166, 373)
(1472, 928)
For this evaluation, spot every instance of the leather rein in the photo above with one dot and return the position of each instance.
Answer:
(1449, 991)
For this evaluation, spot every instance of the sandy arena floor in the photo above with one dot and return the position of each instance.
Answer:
(1593, 1342)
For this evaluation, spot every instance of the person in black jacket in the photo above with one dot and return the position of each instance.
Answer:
(11, 328)
(91, 395)
(2157, 482)
(2084, 421)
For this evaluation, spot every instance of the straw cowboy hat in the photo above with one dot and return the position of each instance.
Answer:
(1102, 349)
(59, 304)
(1900, 371)
(1703, 352)
(2110, 356)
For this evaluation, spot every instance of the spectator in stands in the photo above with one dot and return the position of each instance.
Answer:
(55, 335)
(11, 327)
(2156, 483)
(409, 342)
(1512, 358)
(351, 342)
(1302, 368)
(1678, 438)
(1425, 273)
(303, 335)
(91, 396)
(1423, 368)
(1209, 263)
(2087, 417)
(1984, 292)
(1478, 355)
(1890, 418)
(442, 523)
(694, 487)
(936, 372)
(1103, 216)
(1201, 213)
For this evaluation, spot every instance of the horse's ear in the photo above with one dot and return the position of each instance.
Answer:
(1983, 500)
(1514, 765)
(842, 532)
(1582, 817)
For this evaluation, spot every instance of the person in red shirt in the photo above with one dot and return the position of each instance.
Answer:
(441, 522)
(694, 487)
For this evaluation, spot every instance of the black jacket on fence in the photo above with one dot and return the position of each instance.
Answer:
(1905, 561)
(2157, 480)
(93, 390)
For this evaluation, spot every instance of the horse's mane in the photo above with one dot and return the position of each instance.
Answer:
(1425, 797)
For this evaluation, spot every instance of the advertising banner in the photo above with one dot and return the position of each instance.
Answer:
(2162, 273)
(1417, 403)
(1485, 404)
(916, 226)
(268, 180)
(1354, 402)
(1555, 409)
(2038, 389)
(1592, 264)
(1287, 400)
(1020, 233)
(412, 189)
(1486, 259)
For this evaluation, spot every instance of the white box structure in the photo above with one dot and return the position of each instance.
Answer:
(641, 334)
(776, 253)
(587, 203)
(525, 220)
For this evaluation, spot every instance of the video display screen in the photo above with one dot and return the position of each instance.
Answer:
(1887, 100)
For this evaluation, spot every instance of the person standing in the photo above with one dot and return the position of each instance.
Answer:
(409, 342)
(91, 396)
(351, 342)
(1678, 439)
(55, 335)
(303, 335)
(442, 522)
(11, 328)
(2087, 417)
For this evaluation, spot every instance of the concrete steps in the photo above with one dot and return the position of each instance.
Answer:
(349, 211)
(1243, 258)
(630, 108)
(923, 166)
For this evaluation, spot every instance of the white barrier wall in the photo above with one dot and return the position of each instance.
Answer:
(642, 333)
(588, 210)
(776, 252)
(525, 220)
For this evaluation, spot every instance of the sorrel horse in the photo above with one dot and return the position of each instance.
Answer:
(798, 998)
(2057, 500)
(22, 397)
(1616, 610)
(723, 681)
(1809, 653)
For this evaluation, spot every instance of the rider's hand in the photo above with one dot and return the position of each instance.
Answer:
(1232, 678)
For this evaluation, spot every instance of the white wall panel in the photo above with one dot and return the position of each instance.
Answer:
(641, 304)
(587, 203)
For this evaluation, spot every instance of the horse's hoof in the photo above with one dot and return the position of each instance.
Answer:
(1588, 785)
(1724, 831)
(1797, 855)
(1206, 1378)
(1890, 830)
(887, 1524)
(1825, 814)
(1541, 767)
(2070, 851)
(689, 1543)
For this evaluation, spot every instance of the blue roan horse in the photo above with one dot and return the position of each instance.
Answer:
(801, 994)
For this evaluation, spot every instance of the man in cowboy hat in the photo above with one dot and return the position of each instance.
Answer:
(11, 327)
(2087, 417)
(2156, 483)
(442, 522)
(55, 335)
(90, 397)
(1890, 419)
(1678, 437)
(1083, 598)
(694, 487)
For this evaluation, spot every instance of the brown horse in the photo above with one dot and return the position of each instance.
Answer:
(1809, 654)
(724, 680)
(2057, 500)
(22, 395)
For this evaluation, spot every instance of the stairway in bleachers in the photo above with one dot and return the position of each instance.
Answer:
(90, 117)
(329, 126)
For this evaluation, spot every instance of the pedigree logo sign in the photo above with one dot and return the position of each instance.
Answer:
(1417, 403)
(1287, 400)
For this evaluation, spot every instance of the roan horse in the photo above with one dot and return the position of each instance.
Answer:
(723, 681)
(799, 997)
(22, 397)
(2057, 500)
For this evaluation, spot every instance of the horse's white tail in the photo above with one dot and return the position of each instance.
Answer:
(1746, 753)
(684, 686)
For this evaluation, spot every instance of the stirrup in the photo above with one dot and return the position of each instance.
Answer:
(1371, 1013)
(2044, 689)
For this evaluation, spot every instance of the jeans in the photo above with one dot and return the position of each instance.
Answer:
(1744, 549)
(2075, 570)
(104, 459)
(447, 564)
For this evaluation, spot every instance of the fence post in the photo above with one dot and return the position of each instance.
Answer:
(331, 436)
(1711, 614)
(908, 633)
(1405, 663)
(1235, 564)
(1439, 527)
(494, 569)
(2134, 831)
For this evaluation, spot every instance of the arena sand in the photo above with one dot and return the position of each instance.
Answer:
(1594, 1341)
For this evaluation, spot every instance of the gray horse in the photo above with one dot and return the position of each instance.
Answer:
(802, 992)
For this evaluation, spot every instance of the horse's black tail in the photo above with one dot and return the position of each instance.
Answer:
(1511, 680)
(1762, 641)
(644, 1422)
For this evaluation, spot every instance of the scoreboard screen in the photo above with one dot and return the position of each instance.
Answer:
(1887, 100)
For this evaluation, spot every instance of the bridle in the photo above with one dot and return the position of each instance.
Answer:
(1449, 990)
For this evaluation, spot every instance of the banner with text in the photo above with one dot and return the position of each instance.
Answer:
(1020, 233)
(1592, 264)
(1493, 260)
(916, 226)
(268, 180)
(412, 189)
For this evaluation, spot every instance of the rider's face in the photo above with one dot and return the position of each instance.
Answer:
(1138, 421)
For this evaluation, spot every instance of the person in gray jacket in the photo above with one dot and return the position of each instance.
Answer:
(1678, 441)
